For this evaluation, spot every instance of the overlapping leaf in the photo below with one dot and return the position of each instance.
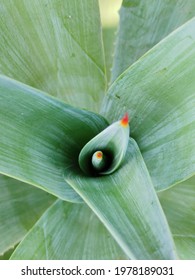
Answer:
(41, 137)
(143, 24)
(128, 206)
(158, 94)
(68, 231)
(20, 207)
(179, 206)
(55, 46)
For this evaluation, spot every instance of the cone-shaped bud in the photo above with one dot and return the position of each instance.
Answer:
(105, 152)
(99, 161)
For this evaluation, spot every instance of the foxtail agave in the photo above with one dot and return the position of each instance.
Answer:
(75, 183)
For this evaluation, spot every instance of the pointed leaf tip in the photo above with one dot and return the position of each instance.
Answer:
(125, 120)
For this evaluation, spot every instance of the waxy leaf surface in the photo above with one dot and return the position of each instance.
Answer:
(68, 231)
(178, 204)
(21, 205)
(143, 24)
(128, 206)
(158, 92)
(42, 137)
(55, 46)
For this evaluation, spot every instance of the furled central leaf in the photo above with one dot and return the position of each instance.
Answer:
(105, 152)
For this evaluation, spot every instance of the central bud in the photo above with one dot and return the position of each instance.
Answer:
(98, 161)
(105, 152)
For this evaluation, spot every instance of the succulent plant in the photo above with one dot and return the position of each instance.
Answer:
(97, 164)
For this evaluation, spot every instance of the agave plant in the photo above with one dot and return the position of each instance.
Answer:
(79, 179)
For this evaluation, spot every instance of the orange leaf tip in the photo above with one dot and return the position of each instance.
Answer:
(125, 120)
(99, 155)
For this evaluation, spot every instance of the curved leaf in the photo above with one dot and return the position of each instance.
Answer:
(55, 46)
(143, 24)
(179, 207)
(127, 205)
(21, 205)
(158, 94)
(41, 137)
(106, 151)
(68, 231)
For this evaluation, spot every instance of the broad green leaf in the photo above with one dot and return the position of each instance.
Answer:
(55, 46)
(143, 24)
(68, 231)
(158, 93)
(41, 137)
(179, 207)
(109, 34)
(128, 206)
(185, 246)
(21, 205)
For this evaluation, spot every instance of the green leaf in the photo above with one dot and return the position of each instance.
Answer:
(109, 34)
(68, 231)
(41, 137)
(158, 94)
(127, 205)
(179, 207)
(7, 254)
(55, 46)
(185, 246)
(21, 205)
(143, 24)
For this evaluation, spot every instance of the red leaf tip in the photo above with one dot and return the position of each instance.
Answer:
(125, 120)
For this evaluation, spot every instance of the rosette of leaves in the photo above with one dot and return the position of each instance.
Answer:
(60, 131)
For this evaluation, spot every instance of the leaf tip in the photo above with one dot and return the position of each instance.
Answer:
(125, 120)
(99, 154)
